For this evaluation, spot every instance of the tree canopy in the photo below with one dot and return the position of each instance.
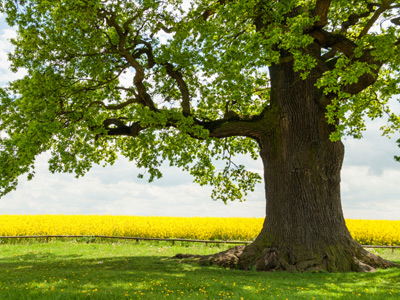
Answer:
(184, 81)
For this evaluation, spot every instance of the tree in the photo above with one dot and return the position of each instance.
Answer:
(218, 78)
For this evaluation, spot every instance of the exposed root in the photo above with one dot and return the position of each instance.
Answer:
(188, 257)
(228, 259)
(273, 259)
(367, 262)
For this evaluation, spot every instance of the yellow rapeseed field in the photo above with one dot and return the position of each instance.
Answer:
(366, 232)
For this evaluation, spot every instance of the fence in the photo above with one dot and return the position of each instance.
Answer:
(173, 240)
(137, 239)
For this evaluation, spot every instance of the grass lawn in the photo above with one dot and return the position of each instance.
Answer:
(129, 270)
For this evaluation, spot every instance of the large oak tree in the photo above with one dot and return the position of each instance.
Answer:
(210, 80)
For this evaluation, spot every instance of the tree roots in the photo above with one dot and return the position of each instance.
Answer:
(355, 259)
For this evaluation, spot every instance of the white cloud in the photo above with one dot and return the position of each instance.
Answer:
(6, 35)
(116, 190)
(370, 196)
(92, 194)
(370, 175)
(5, 47)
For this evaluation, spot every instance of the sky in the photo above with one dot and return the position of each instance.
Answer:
(370, 181)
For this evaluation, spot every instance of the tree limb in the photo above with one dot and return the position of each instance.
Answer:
(321, 10)
(116, 106)
(139, 72)
(131, 19)
(138, 80)
(182, 87)
(334, 40)
(235, 126)
(148, 50)
(209, 12)
(122, 129)
(373, 19)
(222, 128)
(363, 82)
(341, 44)
(354, 18)
(395, 21)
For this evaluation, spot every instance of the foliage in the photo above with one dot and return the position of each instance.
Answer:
(67, 270)
(184, 84)
(365, 232)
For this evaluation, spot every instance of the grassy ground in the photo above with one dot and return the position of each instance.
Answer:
(129, 270)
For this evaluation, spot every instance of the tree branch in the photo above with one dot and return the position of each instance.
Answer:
(182, 87)
(138, 80)
(105, 82)
(139, 72)
(222, 128)
(115, 106)
(373, 19)
(130, 20)
(208, 12)
(340, 43)
(235, 126)
(113, 23)
(354, 18)
(321, 10)
(122, 129)
(334, 40)
(148, 50)
(363, 81)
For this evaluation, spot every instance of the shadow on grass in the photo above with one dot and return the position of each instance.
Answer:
(46, 275)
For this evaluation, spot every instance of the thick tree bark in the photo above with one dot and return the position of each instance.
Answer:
(304, 228)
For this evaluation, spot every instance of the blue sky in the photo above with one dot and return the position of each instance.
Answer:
(370, 182)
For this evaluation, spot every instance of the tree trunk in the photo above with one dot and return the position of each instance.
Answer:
(304, 228)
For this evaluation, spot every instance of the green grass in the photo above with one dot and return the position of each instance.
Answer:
(129, 270)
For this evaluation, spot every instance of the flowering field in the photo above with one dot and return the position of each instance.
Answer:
(366, 232)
